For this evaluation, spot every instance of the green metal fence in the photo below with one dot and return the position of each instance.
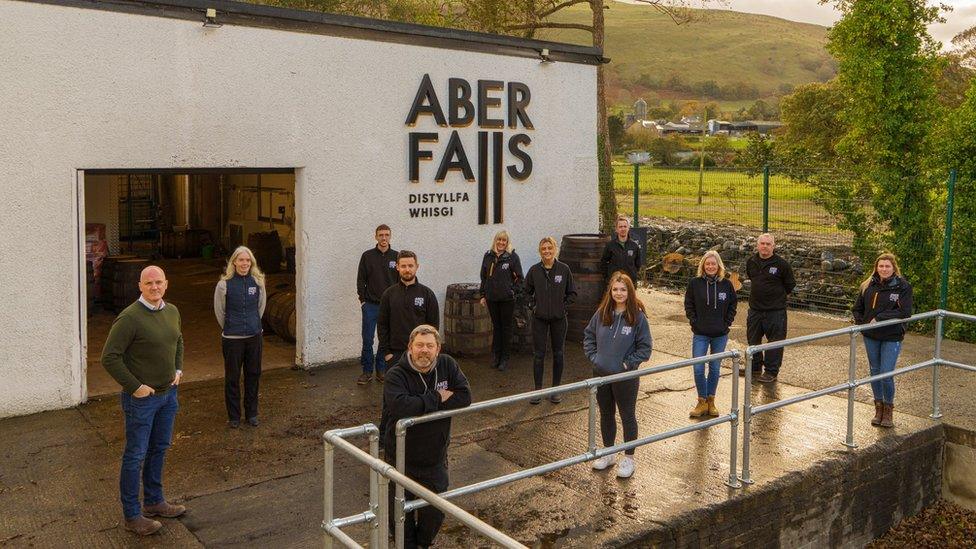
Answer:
(824, 226)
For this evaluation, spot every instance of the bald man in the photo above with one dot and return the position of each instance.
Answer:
(144, 353)
(772, 281)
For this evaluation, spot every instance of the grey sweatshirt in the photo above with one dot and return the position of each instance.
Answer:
(618, 347)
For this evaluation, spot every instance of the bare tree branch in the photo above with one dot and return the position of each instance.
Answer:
(557, 7)
(550, 25)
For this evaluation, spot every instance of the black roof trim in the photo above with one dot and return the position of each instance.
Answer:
(186, 171)
(257, 15)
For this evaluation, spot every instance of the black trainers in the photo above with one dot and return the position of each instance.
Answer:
(253, 422)
(503, 365)
(555, 399)
(234, 423)
(535, 400)
(766, 378)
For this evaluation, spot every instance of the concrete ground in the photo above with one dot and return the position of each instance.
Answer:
(262, 486)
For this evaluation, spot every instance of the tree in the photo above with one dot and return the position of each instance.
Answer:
(757, 155)
(615, 125)
(887, 70)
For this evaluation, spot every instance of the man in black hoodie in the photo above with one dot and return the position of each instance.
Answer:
(772, 280)
(377, 272)
(423, 381)
(622, 253)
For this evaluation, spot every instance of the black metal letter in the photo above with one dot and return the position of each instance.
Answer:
(460, 98)
(425, 93)
(416, 155)
(454, 149)
(518, 98)
(513, 147)
(485, 102)
(482, 178)
(496, 175)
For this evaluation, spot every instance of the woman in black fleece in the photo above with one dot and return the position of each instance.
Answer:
(710, 307)
(501, 280)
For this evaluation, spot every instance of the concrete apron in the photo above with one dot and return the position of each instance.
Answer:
(262, 487)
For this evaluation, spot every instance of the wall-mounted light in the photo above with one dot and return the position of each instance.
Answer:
(544, 55)
(210, 20)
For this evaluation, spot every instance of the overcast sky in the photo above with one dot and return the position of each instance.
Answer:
(961, 17)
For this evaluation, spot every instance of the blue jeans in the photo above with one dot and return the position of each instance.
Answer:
(148, 433)
(371, 313)
(707, 385)
(882, 356)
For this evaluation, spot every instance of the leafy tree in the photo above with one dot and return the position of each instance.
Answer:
(757, 155)
(615, 125)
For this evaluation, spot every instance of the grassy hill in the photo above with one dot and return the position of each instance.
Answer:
(726, 47)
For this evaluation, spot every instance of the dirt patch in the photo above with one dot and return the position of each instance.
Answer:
(312, 427)
(941, 525)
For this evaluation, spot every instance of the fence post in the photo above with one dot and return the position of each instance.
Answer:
(765, 199)
(636, 194)
(400, 497)
(947, 243)
(733, 481)
(939, 325)
(591, 423)
(851, 377)
(374, 493)
(747, 420)
(328, 472)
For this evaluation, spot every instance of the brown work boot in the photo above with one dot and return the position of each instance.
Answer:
(878, 412)
(142, 526)
(364, 379)
(163, 509)
(380, 377)
(887, 412)
(701, 409)
(712, 410)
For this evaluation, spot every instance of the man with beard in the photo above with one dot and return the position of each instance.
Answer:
(423, 381)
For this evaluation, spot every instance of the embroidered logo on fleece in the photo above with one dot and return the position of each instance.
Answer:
(630, 253)
(722, 296)
(418, 301)
(773, 270)
(893, 297)
(626, 330)
(252, 290)
(441, 385)
(393, 264)
(504, 266)
(557, 279)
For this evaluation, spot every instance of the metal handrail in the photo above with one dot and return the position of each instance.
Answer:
(749, 410)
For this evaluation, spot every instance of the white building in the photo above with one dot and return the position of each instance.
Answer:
(318, 105)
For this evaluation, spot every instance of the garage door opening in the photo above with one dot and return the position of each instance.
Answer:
(188, 224)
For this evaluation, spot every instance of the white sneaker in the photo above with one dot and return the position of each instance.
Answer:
(626, 467)
(604, 462)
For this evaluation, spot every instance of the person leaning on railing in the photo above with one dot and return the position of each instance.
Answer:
(618, 339)
(884, 295)
(710, 302)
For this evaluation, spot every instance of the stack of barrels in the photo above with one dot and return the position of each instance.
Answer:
(267, 250)
(467, 326)
(280, 315)
(582, 252)
(125, 282)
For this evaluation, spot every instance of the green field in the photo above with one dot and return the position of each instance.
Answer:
(729, 196)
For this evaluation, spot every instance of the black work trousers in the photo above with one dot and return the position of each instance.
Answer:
(772, 325)
(620, 396)
(420, 527)
(242, 354)
(553, 333)
(502, 323)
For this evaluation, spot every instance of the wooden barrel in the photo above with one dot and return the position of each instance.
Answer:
(582, 252)
(125, 282)
(281, 315)
(106, 277)
(267, 250)
(467, 326)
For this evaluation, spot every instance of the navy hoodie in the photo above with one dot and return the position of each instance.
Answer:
(710, 305)
(409, 393)
(618, 347)
(884, 300)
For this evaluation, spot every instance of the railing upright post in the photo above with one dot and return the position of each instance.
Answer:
(733, 481)
(383, 512)
(374, 491)
(939, 326)
(591, 423)
(398, 502)
(747, 420)
(328, 469)
(851, 378)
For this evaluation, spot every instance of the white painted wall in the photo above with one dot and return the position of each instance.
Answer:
(95, 89)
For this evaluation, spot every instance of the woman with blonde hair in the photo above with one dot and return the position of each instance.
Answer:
(618, 339)
(884, 295)
(239, 301)
(710, 303)
(501, 279)
(550, 288)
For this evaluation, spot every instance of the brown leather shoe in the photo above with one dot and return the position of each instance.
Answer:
(164, 509)
(380, 377)
(878, 412)
(364, 379)
(886, 415)
(142, 526)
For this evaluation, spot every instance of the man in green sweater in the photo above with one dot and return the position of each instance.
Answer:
(144, 353)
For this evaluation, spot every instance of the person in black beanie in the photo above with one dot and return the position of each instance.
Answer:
(501, 280)
(710, 302)
(772, 280)
(549, 286)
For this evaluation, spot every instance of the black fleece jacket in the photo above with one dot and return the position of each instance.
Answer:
(549, 291)
(772, 279)
(377, 272)
(884, 300)
(501, 276)
(403, 308)
(409, 393)
(710, 305)
(624, 257)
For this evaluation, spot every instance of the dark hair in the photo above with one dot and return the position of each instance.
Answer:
(382, 227)
(607, 304)
(407, 254)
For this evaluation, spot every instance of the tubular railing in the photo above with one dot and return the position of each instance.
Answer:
(852, 383)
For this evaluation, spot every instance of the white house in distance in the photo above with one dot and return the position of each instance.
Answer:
(132, 127)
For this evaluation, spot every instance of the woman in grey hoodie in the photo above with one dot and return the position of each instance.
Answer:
(618, 339)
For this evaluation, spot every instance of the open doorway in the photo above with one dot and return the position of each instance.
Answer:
(188, 223)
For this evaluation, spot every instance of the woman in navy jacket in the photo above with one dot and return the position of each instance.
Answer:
(239, 301)
(884, 295)
(618, 339)
(710, 307)
(501, 280)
